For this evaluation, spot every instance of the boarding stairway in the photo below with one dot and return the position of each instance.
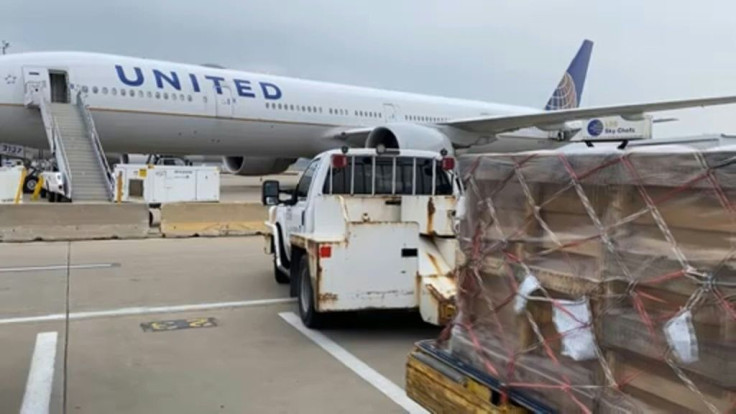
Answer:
(76, 147)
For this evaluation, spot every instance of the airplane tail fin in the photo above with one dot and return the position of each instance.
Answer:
(570, 89)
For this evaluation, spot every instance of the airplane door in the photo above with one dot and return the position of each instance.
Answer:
(390, 113)
(36, 80)
(224, 102)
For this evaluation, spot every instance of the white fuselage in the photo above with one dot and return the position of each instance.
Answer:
(148, 106)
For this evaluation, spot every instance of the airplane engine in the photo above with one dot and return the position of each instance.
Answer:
(409, 136)
(257, 165)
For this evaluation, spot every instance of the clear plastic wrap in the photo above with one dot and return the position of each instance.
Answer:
(602, 280)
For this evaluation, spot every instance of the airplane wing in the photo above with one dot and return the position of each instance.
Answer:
(507, 123)
(353, 136)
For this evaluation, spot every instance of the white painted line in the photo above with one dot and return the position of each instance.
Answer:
(57, 267)
(144, 310)
(383, 384)
(41, 376)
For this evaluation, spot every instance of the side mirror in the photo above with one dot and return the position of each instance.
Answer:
(270, 191)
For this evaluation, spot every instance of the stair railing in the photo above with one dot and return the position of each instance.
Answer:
(96, 144)
(55, 142)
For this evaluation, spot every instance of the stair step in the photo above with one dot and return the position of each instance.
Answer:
(90, 189)
(90, 192)
(89, 180)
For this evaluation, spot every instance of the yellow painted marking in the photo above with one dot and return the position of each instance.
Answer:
(37, 190)
(143, 172)
(19, 192)
(119, 193)
(199, 322)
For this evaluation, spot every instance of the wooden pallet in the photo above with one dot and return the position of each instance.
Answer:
(442, 388)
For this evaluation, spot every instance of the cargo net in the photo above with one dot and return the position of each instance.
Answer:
(601, 281)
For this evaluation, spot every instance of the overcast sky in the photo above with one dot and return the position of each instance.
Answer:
(510, 51)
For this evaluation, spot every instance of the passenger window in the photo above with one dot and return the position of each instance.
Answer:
(123, 92)
(104, 91)
(114, 91)
(302, 189)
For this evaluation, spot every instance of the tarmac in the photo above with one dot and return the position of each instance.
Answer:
(190, 325)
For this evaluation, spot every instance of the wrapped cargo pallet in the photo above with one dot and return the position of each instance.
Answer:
(602, 280)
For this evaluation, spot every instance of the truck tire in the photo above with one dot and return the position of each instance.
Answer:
(309, 315)
(280, 277)
(30, 184)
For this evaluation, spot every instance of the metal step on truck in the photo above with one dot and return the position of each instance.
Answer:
(367, 229)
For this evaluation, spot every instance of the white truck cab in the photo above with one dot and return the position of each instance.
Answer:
(367, 229)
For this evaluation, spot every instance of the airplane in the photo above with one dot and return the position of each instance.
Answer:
(262, 123)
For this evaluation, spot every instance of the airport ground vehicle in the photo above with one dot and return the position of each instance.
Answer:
(52, 186)
(367, 229)
(34, 169)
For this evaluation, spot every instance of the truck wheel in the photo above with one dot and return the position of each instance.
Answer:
(310, 317)
(280, 277)
(30, 184)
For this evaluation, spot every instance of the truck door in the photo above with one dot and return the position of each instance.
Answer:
(295, 214)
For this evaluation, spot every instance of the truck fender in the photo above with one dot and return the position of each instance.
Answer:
(279, 252)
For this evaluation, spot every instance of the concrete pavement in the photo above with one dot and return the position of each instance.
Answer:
(252, 361)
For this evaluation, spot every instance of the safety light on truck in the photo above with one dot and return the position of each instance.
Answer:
(339, 161)
(325, 251)
(448, 163)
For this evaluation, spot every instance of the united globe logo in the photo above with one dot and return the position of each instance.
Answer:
(595, 127)
(565, 96)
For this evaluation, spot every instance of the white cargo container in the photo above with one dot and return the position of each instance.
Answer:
(11, 184)
(166, 183)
